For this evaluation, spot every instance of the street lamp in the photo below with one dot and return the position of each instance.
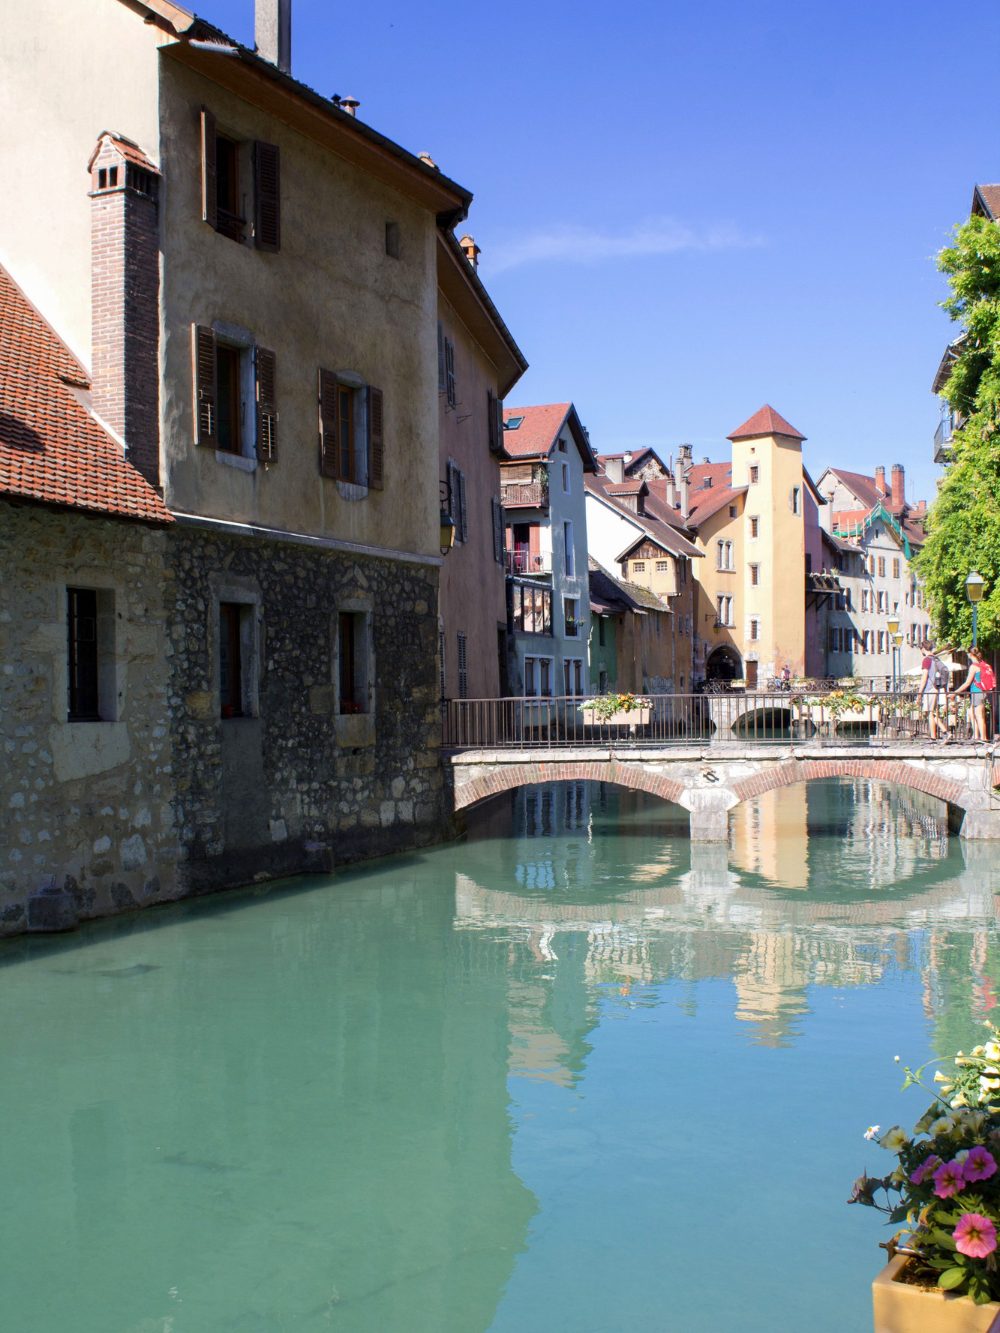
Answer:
(893, 625)
(975, 586)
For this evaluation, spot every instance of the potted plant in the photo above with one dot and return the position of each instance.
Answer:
(617, 710)
(943, 1275)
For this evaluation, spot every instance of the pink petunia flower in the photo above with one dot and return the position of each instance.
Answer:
(979, 1165)
(926, 1168)
(948, 1180)
(975, 1236)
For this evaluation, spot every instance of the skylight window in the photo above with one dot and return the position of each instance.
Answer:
(512, 423)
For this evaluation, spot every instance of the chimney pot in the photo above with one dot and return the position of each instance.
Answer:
(471, 249)
(273, 32)
(350, 105)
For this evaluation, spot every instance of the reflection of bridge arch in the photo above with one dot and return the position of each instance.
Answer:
(508, 777)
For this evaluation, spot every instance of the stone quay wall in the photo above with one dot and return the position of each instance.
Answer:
(296, 785)
(85, 807)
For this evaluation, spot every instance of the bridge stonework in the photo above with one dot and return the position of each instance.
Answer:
(708, 781)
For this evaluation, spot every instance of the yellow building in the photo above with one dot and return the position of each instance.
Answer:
(750, 519)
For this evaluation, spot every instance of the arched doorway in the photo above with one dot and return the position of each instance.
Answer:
(724, 663)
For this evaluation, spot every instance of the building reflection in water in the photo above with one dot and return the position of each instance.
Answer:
(601, 899)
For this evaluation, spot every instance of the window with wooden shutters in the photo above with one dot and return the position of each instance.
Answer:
(209, 196)
(463, 666)
(267, 408)
(461, 514)
(205, 419)
(494, 421)
(266, 196)
(376, 449)
(441, 368)
(329, 437)
(498, 530)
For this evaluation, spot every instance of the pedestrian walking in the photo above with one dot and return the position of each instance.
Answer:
(933, 692)
(978, 685)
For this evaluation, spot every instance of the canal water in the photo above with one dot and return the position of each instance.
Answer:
(570, 1074)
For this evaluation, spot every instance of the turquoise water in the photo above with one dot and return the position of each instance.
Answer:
(572, 1074)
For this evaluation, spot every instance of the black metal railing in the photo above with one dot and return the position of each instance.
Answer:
(864, 718)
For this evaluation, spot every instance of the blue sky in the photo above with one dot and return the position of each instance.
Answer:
(686, 211)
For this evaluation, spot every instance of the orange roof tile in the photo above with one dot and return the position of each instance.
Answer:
(52, 450)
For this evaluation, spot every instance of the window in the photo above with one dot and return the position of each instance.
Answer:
(601, 631)
(867, 640)
(531, 608)
(449, 373)
(895, 568)
(663, 566)
(638, 566)
(682, 570)
(351, 436)
(237, 659)
(881, 640)
(235, 392)
(883, 600)
(871, 564)
(353, 662)
(724, 555)
(732, 511)
(809, 563)
(570, 621)
(442, 682)
(602, 682)
(724, 610)
(224, 162)
(392, 246)
(754, 575)
(538, 676)
(795, 500)
(754, 473)
(463, 666)
(573, 675)
(754, 628)
(90, 663)
(754, 526)
(865, 599)
(457, 508)
(881, 566)
(569, 549)
(565, 478)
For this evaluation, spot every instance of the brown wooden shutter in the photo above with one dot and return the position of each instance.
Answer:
(440, 358)
(492, 424)
(267, 406)
(463, 513)
(205, 398)
(497, 531)
(266, 196)
(376, 450)
(209, 195)
(329, 445)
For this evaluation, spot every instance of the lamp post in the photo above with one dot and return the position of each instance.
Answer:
(896, 638)
(975, 586)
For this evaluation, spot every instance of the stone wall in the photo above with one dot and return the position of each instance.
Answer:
(296, 785)
(85, 806)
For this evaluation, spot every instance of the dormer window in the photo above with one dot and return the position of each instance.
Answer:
(512, 423)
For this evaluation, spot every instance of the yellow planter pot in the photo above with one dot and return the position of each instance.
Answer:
(902, 1308)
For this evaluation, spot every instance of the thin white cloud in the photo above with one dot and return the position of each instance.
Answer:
(567, 243)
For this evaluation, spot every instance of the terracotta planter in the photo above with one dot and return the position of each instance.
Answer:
(902, 1308)
(637, 717)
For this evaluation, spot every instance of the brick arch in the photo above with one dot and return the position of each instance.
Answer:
(508, 777)
(897, 771)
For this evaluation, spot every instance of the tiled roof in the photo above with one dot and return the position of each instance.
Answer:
(861, 487)
(611, 596)
(130, 151)
(719, 474)
(536, 436)
(52, 450)
(706, 503)
(655, 522)
(988, 199)
(765, 422)
(625, 487)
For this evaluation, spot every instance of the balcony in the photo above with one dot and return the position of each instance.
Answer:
(943, 436)
(524, 495)
(524, 562)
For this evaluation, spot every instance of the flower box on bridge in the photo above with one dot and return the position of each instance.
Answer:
(632, 718)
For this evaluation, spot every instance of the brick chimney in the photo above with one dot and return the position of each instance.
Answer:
(273, 32)
(880, 480)
(125, 298)
(898, 487)
(471, 249)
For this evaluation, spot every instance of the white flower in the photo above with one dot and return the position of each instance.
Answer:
(942, 1125)
(992, 1050)
(872, 1132)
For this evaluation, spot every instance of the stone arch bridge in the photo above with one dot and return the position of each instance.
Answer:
(709, 781)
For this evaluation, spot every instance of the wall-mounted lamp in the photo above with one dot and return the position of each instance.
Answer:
(975, 586)
(447, 532)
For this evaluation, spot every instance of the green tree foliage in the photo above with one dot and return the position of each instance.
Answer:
(963, 526)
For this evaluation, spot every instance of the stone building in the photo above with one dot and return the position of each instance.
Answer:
(250, 274)
(478, 364)
(86, 785)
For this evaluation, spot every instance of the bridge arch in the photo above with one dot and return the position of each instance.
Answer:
(508, 777)
(898, 772)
